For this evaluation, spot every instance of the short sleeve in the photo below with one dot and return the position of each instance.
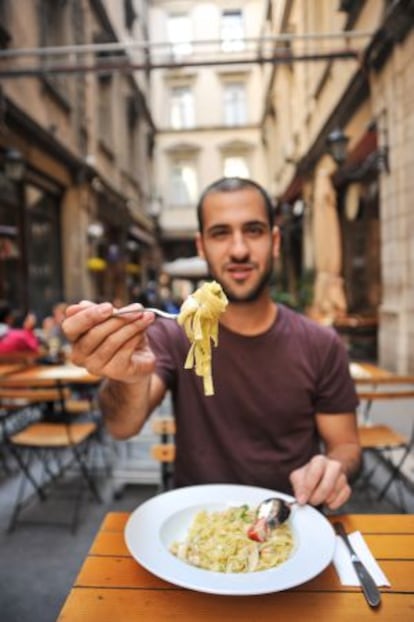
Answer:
(335, 387)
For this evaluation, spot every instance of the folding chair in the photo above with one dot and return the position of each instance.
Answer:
(55, 444)
(164, 452)
(387, 444)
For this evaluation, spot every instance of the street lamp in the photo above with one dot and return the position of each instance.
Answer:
(14, 165)
(337, 143)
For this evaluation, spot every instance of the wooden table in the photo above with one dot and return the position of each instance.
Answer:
(111, 585)
(9, 368)
(368, 373)
(43, 375)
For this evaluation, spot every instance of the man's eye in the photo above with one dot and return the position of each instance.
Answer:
(218, 234)
(254, 230)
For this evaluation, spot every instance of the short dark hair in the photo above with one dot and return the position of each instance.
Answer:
(231, 184)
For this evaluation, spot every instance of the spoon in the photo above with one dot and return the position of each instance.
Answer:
(169, 316)
(270, 514)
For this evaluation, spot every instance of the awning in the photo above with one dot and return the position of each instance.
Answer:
(187, 267)
(329, 296)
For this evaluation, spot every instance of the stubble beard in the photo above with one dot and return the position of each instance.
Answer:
(251, 296)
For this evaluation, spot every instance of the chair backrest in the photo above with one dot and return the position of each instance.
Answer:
(11, 395)
(163, 426)
(381, 394)
(369, 398)
(16, 420)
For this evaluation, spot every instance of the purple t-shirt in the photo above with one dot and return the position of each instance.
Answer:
(260, 423)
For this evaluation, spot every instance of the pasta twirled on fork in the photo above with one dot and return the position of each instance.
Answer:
(199, 315)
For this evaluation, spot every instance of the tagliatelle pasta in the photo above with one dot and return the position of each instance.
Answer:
(199, 316)
(218, 541)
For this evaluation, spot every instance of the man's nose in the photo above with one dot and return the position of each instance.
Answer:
(239, 249)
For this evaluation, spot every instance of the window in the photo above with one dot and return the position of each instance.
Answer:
(179, 34)
(182, 107)
(105, 132)
(131, 154)
(232, 31)
(234, 103)
(235, 166)
(184, 187)
(55, 31)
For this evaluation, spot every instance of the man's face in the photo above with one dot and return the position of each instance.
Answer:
(237, 242)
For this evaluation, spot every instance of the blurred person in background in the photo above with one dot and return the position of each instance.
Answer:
(13, 339)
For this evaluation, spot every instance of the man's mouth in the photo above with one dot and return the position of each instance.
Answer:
(240, 272)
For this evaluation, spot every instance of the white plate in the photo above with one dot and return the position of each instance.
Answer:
(155, 524)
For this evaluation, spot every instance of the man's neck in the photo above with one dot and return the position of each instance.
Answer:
(250, 318)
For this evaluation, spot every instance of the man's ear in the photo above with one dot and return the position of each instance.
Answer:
(199, 245)
(276, 241)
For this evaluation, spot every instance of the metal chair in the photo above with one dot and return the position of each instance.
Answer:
(387, 444)
(55, 444)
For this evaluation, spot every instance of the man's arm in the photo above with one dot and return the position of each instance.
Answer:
(117, 349)
(325, 478)
(125, 407)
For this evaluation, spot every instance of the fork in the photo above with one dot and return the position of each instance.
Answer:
(159, 312)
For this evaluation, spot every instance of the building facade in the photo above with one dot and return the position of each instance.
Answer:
(76, 140)
(346, 81)
(206, 96)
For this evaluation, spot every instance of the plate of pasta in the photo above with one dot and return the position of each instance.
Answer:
(195, 537)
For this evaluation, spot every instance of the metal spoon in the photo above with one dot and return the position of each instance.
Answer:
(270, 514)
(169, 316)
(275, 511)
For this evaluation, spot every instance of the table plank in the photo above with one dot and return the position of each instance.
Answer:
(390, 546)
(174, 605)
(368, 523)
(377, 523)
(124, 572)
(109, 543)
(115, 521)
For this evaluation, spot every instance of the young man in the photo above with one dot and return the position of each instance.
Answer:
(283, 412)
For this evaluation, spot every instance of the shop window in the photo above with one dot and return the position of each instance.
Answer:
(11, 275)
(43, 249)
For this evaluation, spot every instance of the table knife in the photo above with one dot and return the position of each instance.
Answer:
(368, 585)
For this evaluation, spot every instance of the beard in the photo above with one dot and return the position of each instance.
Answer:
(250, 296)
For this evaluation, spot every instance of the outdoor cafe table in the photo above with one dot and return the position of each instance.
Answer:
(9, 368)
(371, 374)
(43, 375)
(111, 585)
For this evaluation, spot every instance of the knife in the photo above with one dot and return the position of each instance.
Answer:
(369, 587)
